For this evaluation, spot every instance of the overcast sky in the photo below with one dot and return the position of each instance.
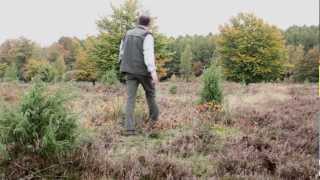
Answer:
(45, 21)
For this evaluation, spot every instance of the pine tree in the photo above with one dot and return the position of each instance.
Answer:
(11, 73)
(212, 85)
(60, 67)
(295, 56)
(40, 124)
(308, 68)
(186, 63)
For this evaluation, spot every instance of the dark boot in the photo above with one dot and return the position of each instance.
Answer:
(152, 130)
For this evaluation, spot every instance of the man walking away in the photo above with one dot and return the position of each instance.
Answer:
(137, 61)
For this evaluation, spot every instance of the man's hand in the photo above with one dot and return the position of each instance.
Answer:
(154, 76)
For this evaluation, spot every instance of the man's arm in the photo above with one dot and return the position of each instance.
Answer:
(149, 57)
(120, 51)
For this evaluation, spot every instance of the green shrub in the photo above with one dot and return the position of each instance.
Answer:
(212, 85)
(110, 77)
(82, 75)
(173, 89)
(41, 124)
(85, 76)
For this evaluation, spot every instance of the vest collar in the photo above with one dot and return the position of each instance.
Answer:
(142, 27)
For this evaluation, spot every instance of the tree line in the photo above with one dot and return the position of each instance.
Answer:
(249, 50)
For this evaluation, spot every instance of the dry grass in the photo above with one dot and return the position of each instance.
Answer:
(273, 134)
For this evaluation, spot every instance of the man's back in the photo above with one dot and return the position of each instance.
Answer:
(132, 59)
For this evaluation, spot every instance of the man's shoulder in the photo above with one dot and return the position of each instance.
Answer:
(143, 33)
(149, 34)
(149, 37)
(130, 31)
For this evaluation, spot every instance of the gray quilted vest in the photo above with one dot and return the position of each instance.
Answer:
(132, 60)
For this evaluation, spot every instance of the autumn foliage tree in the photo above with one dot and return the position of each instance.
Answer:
(55, 55)
(163, 54)
(86, 67)
(251, 50)
(17, 52)
(69, 49)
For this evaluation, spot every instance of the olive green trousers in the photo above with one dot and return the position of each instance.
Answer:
(133, 81)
